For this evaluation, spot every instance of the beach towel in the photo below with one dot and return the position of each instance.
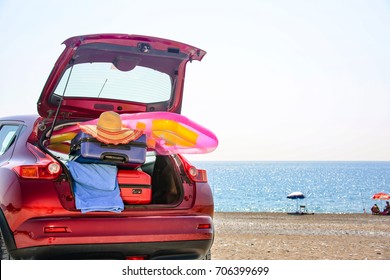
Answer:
(95, 187)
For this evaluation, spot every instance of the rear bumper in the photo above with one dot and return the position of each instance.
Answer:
(179, 250)
(148, 235)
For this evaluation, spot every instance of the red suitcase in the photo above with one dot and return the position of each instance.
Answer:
(135, 186)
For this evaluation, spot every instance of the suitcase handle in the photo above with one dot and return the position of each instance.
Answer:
(114, 157)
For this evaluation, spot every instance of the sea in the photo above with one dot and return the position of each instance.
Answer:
(328, 187)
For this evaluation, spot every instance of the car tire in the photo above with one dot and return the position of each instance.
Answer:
(4, 251)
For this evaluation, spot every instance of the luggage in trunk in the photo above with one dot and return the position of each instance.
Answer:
(135, 186)
(86, 149)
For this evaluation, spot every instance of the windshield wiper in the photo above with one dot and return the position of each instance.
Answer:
(102, 87)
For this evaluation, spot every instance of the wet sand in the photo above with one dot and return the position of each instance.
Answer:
(279, 236)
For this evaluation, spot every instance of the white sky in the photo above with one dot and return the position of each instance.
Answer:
(282, 80)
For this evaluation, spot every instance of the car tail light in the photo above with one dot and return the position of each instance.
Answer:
(52, 229)
(45, 168)
(204, 226)
(196, 175)
(134, 258)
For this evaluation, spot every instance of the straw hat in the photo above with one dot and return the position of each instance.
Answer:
(109, 129)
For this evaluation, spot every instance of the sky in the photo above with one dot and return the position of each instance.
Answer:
(281, 80)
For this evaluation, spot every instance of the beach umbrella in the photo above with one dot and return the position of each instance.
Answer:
(381, 196)
(297, 196)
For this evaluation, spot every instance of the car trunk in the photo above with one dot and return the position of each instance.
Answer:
(159, 182)
(126, 74)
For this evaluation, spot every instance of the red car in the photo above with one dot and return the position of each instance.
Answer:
(96, 73)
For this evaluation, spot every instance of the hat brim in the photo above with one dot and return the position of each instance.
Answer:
(122, 136)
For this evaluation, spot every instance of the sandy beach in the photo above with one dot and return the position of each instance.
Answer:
(280, 236)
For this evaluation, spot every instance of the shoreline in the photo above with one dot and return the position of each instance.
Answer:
(321, 236)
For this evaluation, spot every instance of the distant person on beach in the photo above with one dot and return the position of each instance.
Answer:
(375, 209)
(386, 211)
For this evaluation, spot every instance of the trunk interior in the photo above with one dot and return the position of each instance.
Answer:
(158, 182)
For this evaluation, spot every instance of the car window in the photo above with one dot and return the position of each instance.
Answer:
(104, 80)
(7, 137)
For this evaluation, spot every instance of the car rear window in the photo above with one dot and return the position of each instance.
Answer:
(104, 80)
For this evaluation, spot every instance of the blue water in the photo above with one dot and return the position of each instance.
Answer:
(329, 187)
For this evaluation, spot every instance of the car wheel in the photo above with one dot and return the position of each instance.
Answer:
(207, 256)
(4, 251)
